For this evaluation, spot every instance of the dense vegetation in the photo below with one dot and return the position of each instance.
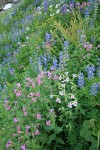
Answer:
(50, 75)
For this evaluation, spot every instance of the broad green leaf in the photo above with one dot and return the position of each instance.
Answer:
(59, 140)
(57, 130)
(51, 138)
(86, 124)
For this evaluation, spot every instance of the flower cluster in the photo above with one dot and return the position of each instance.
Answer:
(81, 80)
(95, 89)
(90, 70)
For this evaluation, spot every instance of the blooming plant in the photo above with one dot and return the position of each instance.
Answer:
(50, 75)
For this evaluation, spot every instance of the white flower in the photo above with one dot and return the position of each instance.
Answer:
(74, 75)
(56, 6)
(70, 105)
(58, 11)
(51, 96)
(50, 6)
(51, 110)
(72, 96)
(40, 12)
(38, 8)
(67, 79)
(27, 37)
(74, 103)
(60, 78)
(58, 100)
(66, 73)
(61, 93)
(63, 85)
(27, 28)
(68, 10)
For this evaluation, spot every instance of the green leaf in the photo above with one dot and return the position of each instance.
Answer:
(57, 130)
(86, 134)
(59, 140)
(51, 138)
(86, 124)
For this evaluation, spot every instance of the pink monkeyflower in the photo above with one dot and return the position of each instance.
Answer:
(6, 105)
(48, 123)
(18, 93)
(90, 46)
(33, 85)
(37, 94)
(24, 109)
(36, 132)
(27, 129)
(14, 134)
(38, 116)
(18, 129)
(34, 99)
(41, 75)
(23, 147)
(15, 91)
(99, 1)
(49, 74)
(15, 120)
(8, 144)
(39, 81)
(31, 94)
(18, 84)
(85, 45)
(25, 113)
(55, 77)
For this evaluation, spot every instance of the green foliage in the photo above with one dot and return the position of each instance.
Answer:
(42, 107)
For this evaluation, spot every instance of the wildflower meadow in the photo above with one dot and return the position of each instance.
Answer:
(50, 75)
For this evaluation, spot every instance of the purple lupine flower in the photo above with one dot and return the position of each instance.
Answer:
(94, 89)
(66, 45)
(45, 6)
(63, 9)
(90, 70)
(45, 60)
(81, 80)
(86, 12)
(60, 58)
(48, 37)
(55, 65)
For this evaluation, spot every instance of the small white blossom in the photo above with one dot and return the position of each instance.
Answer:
(66, 73)
(50, 6)
(74, 103)
(70, 105)
(58, 100)
(57, 6)
(72, 96)
(63, 85)
(61, 93)
(58, 11)
(51, 110)
(67, 79)
(74, 75)
(51, 96)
